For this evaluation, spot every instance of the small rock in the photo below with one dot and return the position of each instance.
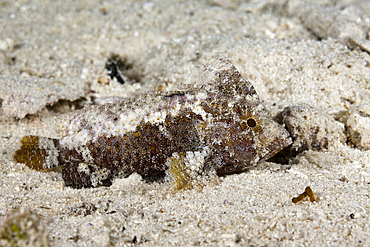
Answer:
(310, 128)
(4, 59)
(22, 96)
(358, 125)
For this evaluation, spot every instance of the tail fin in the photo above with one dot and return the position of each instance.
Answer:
(38, 152)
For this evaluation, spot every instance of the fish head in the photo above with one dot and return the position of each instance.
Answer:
(244, 135)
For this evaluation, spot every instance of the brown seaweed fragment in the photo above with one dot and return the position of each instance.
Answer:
(220, 127)
(307, 193)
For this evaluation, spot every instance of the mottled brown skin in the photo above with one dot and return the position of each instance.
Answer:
(225, 121)
(144, 151)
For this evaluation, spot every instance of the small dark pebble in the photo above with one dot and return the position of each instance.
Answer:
(75, 238)
(134, 240)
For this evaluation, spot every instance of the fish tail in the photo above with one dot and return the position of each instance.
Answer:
(38, 152)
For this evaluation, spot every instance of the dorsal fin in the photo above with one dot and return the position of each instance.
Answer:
(223, 76)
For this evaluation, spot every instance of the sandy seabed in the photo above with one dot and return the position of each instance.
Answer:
(308, 61)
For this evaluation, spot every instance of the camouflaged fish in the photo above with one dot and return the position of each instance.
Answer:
(220, 126)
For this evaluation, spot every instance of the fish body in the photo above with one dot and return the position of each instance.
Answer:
(220, 126)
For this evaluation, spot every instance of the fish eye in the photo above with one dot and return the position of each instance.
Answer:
(251, 123)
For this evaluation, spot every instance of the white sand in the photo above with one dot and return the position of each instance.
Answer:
(293, 52)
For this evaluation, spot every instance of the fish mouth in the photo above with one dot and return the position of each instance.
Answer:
(276, 147)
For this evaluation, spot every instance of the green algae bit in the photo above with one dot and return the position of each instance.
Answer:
(23, 228)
